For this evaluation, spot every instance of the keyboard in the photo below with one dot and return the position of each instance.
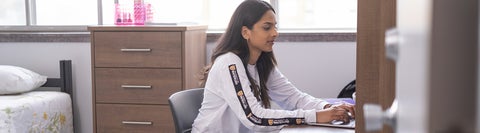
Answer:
(336, 123)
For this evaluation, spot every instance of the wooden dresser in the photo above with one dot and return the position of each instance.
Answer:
(136, 68)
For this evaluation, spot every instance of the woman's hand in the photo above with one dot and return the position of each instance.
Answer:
(343, 112)
(347, 106)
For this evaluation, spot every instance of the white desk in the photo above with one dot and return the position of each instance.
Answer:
(315, 129)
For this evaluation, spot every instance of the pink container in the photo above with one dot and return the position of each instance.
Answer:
(122, 16)
(127, 13)
(139, 13)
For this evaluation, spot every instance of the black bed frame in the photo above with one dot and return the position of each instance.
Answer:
(65, 82)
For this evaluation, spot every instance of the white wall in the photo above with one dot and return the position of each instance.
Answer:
(43, 58)
(321, 69)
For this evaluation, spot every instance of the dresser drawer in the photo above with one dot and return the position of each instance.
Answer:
(138, 49)
(120, 118)
(136, 85)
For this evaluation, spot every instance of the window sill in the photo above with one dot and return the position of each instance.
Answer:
(45, 37)
(80, 34)
(301, 37)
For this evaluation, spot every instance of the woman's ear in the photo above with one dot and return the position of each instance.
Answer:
(245, 32)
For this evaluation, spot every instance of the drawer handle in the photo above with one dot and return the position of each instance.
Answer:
(135, 50)
(137, 86)
(137, 122)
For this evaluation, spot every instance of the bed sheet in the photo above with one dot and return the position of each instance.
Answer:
(36, 112)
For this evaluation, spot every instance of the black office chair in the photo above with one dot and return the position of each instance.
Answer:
(184, 106)
(348, 90)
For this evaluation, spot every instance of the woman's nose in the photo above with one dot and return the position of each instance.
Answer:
(275, 32)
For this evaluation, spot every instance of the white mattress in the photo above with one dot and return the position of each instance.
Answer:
(37, 112)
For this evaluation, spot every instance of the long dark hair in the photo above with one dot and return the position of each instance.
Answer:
(247, 14)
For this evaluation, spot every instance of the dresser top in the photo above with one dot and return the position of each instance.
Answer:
(146, 27)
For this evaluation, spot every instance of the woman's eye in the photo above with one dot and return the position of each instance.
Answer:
(267, 27)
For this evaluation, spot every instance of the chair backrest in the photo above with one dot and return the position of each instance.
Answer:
(184, 106)
(348, 90)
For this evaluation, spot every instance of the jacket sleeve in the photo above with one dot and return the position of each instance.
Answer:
(286, 95)
(228, 73)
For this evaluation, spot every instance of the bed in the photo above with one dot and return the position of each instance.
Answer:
(40, 111)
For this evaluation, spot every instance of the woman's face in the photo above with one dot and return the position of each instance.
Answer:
(262, 36)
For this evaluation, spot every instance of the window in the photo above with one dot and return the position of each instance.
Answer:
(317, 14)
(12, 12)
(215, 13)
(219, 13)
(164, 11)
(292, 14)
(66, 12)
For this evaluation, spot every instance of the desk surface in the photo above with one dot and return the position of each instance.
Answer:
(315, 129)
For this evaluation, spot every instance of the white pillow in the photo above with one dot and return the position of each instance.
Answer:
(15, 79)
